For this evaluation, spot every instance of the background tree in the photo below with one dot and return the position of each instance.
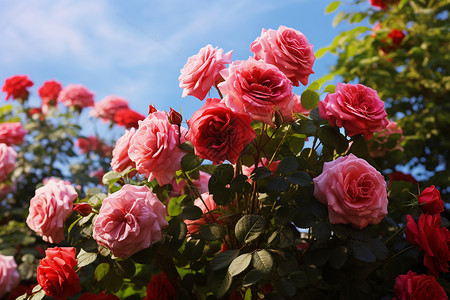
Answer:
(402, 51)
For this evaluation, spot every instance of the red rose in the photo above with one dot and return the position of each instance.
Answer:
(56, 273)
(218, 133)
(396, 36)
(101, 296)
(49, 93)
(434, 241)
(382, 4)
(128, 118)
(413, 286)
(430, 201)
(83, 209)
(16, 87)
(160, 288)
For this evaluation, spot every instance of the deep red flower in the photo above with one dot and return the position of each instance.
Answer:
(430, 201)
(433, 240)
(83, 209)
(16, 87)
(413, 286)
(396, 36)
(400, 176)
(56, 273)
(50, 91)
(175, 117)
(160, 288)
(128, 118)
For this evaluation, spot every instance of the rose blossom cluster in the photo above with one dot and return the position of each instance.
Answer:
(92, 143)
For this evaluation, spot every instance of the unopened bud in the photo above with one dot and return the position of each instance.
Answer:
(175, 117)
(84, 209)
(151, 109)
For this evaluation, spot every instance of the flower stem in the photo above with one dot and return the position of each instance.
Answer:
(395, 234)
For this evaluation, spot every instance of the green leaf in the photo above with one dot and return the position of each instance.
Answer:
(223, 175)
(287, 164)
(314, 86)
(278, 184)
(190, 161)
(309, 99)
(177, 230)
(305, 127)
(332, 6)
(212, 232)
(317, 256)
(101, 271)
(191, 212)
(379, 248)
(300, 178)
(124, 268)
(249, 228)
(111, 177)
(251, 278)
(339, 17)
(85, 258)
(194, 249)
(262, 261)
(314, 114)
(362, 251)
(223, 259)
(286, 237)
(186, 146)
(260, 173)
(338, 257)
(331, 88)
(219, 282)
(299, 279)
(321, 231)
(239, 264)
(221, 195)
(303, 218)
(321, 52)
(38, 296)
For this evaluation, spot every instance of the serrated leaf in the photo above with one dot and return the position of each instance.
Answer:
(212, 232)
(239, 264)
(249, 228)
(190, 161)
(309, 99)
(262, 261)
(85, 258)
(287, 165)
(362, 251)
(332, 6)
(251, 278)
(223, 259)
(101, 271)
(191, 212)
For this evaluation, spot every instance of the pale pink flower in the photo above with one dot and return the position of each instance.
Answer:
(154, 148)
(76, 95)
(289, 50)
(120, 159)
(256, 88)
(107, 108)
(201, 71)
(9, 276)
(353, 190)
(12, 133)
(49, 209)
(7, 160)
(130, 220)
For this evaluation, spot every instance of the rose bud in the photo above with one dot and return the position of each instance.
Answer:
(83, 209)
(175, 117)
(151, 109)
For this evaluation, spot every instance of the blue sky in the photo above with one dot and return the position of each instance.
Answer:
(135, 49)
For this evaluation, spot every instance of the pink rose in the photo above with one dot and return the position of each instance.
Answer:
(154, 148)
(218, 133)
(355, 107)
(430, 201)
(7, 160)
(107, 108)
(289, 50)
(49, 209)
(194, 225)
(129, 220)
(120, 160)
(201, 184)
(413, 286)
(16, 87)
(201, 71)
(12, 133)
(76, 95)
(49, 93)
(247, 171)
(353, 190)
(378, 147)
(256, 88)
(9, 277)
(434, 240)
